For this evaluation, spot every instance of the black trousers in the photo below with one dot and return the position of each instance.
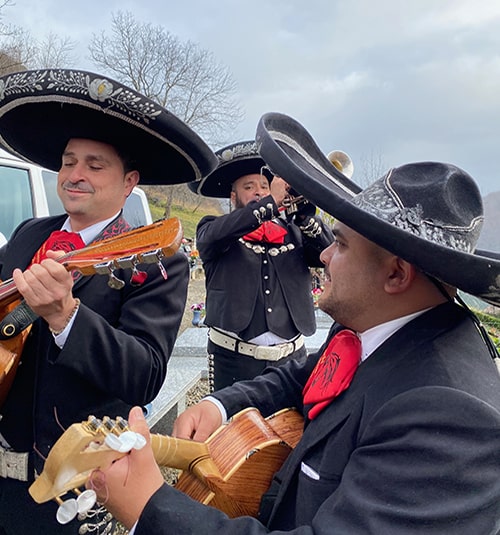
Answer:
(226, 367)
(21, 515)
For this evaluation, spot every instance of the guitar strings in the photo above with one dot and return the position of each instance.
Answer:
(38, 452)
(56, 417)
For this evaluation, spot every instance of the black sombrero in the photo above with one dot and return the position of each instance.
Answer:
(235, 160)
(41, 110)
(428, 213)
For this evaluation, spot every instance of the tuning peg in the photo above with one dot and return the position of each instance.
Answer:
(125, 442)
(154, 257)
(85, 500)
(115, 283)
(66, 511)
(107, 268)
(140, 441)
(69, 509)
(114, 442)
(138, 277)
(121, 424)
(131, 262)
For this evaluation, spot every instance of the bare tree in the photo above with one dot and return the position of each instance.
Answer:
(372, 167)
(20, 51)
(16, 50)
(53, 52)
(181, 76)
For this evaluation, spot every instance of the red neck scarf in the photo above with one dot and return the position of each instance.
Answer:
(269, 232)
(333, 372)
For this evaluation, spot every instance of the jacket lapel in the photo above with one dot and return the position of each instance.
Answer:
(372, 370)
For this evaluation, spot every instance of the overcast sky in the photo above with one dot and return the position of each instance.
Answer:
(387, 81)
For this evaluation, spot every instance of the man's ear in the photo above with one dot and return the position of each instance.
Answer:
(131, 180)
(400, 275)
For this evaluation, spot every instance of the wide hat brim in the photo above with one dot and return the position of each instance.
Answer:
(41, 110)
(291, 152)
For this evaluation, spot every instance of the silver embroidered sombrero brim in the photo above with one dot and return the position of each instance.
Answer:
(428, 213)
(234, 161)
(41, 110)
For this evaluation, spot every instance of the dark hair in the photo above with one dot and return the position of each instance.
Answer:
(128, 161)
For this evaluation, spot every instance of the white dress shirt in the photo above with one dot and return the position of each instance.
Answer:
(87, 235)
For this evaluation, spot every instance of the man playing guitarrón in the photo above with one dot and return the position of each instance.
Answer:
(406, 439)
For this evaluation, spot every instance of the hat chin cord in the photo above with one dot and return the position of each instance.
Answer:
(477, 322)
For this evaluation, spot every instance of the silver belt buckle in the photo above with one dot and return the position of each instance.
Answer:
(263, 353)
(272, 352)
(286, 349)
(14, 465)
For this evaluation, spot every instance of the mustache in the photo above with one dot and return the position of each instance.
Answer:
(77, 186)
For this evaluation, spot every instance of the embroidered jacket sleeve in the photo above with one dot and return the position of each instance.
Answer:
(316, 236)
(214, 235)
(126, 352)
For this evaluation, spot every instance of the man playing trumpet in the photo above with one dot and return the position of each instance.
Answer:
(256, 261)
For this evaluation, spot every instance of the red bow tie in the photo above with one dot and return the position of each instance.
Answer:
(333, 372)
(269, 232)
(59, 240)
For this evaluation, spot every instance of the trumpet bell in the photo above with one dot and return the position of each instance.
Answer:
(342, 162)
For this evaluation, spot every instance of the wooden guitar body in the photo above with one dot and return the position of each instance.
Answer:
(247, 454)
(10, 354)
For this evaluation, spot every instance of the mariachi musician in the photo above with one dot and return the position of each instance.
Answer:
(256, 260)
(401, 404)
(93, 349)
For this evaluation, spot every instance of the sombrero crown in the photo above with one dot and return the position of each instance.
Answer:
(41, 110)
(428, 213)
(234, 161)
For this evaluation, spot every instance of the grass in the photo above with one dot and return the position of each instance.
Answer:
(492, 325)
(189, 217)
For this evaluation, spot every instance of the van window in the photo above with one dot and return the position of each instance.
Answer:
(134, 212)
(18, 204)
(50, 184)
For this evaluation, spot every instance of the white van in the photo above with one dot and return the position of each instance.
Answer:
(28, 190)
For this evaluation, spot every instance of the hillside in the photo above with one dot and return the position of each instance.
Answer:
(187, 206)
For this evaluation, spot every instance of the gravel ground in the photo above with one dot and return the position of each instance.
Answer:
(196, 294)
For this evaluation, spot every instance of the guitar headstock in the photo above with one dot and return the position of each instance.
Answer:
(81, 449)
(95, 444)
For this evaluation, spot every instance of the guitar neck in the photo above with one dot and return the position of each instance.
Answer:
(162, 236)
(184, 455)
(9, 292)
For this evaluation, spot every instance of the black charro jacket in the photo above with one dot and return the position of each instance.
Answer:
(413, 446)
(115, 357)
(235, 273)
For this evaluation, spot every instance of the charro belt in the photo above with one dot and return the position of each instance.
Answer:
(14, 465)
(255, 351)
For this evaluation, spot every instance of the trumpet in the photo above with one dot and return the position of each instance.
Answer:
(291, 203)
(341, 160)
